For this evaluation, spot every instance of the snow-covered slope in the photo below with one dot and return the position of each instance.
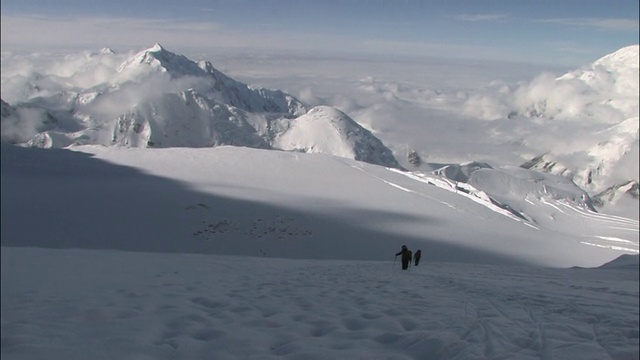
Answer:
(244, 201)
(97, 304)
(185, 119)
(512, 185)
(240, 95)
(156, 58)
(327, 130)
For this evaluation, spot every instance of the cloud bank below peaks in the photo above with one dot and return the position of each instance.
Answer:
(584, 123)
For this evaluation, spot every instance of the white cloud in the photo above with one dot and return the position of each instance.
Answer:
(435, 49)
(613, 24)
(21, 127)
(482, 17)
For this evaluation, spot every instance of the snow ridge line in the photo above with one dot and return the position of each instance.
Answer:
(403, 188)
(611, 247)
(469, 192)
(602, 217)
(615, 239)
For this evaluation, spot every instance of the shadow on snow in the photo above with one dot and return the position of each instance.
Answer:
(58, 198)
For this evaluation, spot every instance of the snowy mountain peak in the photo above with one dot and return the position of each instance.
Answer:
(615, 73)
(160, 59)
(213, 83)
(328, 111)
(198, 107)
(604, 96)
(207, 66)
(615, 193)
(627, 57)
(325, 129)
(156, 47)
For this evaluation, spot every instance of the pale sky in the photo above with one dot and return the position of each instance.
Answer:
(571, 33)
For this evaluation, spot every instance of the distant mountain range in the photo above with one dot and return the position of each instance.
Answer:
(161, 99)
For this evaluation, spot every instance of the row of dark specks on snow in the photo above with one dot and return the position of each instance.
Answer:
(279, 227)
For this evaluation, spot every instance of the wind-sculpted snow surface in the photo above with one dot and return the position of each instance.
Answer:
(87, 304)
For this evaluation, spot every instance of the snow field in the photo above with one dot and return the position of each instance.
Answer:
(130, 305)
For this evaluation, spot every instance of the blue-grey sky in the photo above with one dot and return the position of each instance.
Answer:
(561, 32)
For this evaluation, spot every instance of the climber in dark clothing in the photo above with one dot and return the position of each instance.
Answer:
(416, 257)
(406, 257)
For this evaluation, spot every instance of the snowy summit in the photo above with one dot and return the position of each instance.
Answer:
(607, 101)
(159, 59)
(196, 106)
